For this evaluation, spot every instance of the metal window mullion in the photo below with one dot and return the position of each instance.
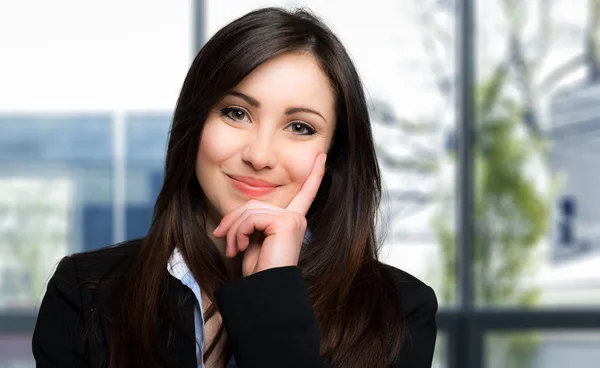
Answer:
(119, 177)
(469, 344)
(465, 170)
(198, 26)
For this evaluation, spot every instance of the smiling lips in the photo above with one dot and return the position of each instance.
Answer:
(250, 186)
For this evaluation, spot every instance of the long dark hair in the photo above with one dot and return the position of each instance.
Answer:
(355, 300)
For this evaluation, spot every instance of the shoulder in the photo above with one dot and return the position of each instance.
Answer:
(419, 305)
(94, 267)
(418, 299)
(73, 297)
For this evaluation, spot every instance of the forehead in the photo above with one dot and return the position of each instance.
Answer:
(291, 79)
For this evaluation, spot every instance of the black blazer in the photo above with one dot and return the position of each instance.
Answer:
(287, 334)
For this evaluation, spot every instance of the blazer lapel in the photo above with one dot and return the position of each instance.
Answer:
(176, 331)
(180, 335)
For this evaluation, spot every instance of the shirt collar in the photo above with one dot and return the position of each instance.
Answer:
(177, 266)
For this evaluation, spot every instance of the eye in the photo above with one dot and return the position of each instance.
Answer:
(235, 113)
(301, 128)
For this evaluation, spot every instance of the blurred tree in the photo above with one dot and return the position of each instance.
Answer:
(33, 235)
(531, 31)
(511, 214)
(415, 161)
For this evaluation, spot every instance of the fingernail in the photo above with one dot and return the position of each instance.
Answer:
(324, 159)
(215, 230)
(226, 252)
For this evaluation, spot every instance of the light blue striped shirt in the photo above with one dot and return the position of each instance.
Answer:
(179, 269)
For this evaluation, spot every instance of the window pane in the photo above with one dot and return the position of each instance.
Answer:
(147, 136)
(538, 125)
(15, 351)
(72, 75)
(34, 231)
(410, 93)
(544, 349)
(55, 194)
(440, 355)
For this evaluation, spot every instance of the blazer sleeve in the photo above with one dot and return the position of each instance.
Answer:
(420, 304)
(269, 320)
(58, 335)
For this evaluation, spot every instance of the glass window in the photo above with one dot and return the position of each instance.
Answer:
(15, 351)
(74, 75)
(56, 196)
(34, 233)
(537, 211)
(543, 349)
(440, 356)
(146, 137)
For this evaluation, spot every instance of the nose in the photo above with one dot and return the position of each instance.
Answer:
(260, 151)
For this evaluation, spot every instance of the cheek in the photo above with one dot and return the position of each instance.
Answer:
(213, 148)
(299, 164)
(212, 153)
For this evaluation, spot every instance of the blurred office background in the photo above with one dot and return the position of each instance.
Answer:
(505, 226)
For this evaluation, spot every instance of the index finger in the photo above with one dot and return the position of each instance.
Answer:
(305, 197)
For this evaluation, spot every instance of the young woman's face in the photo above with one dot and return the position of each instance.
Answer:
(261, 140)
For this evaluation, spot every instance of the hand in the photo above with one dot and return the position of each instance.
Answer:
(282, 230)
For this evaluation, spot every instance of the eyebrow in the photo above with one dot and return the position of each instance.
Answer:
(293, 110)
(289, 111)
(244, 97)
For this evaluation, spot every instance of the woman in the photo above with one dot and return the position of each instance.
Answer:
(262, 249)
